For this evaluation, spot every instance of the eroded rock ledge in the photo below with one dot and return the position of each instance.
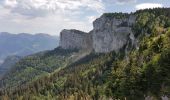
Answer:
(110, 33)
(74, 39)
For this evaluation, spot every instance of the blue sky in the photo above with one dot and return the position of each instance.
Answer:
(51, 16)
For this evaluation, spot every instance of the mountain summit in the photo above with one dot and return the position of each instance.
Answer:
(110, 33)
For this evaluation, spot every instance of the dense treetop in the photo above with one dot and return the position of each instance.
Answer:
(132, 75)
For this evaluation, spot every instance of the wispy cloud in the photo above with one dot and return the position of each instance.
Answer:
(91, 18)
(44, 7)
(120, 2)
(148, 5)
(48, 15)
(126, 1)
(51, 16)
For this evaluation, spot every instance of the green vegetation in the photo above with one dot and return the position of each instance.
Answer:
(116, 15)
(132, 75)
(35, 66)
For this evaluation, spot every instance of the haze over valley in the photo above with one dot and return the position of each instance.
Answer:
(85, 50)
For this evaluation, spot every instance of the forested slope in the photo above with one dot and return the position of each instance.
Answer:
(132, 73)
(35, 66)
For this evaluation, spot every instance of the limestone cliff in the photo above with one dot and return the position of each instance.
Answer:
(74, 39)
(110, 33)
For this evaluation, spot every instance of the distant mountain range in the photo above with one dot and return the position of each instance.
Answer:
(14, 46)
(124, 57)
(25, 44)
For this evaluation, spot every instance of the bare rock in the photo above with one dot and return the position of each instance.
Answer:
(74, 39)
(111, 34)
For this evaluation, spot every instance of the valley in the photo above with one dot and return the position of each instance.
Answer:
(125, 56)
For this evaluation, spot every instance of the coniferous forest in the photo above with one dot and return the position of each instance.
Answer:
(133, 75)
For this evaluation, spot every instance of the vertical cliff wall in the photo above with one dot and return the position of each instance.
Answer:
(111, 32)
(74, 39)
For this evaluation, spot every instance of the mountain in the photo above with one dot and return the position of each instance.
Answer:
(25, 44)
(109, 34)
(125, 56)
(7, 64)
(14, 45)
(1, 61)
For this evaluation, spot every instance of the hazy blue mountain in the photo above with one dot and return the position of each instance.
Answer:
(8, 63)
(25, 44)
(129, 60)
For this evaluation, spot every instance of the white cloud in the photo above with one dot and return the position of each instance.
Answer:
(44, 7)
(53, 24)
(91, 18)
(148, 5)
(10, 3)
(49, 16)
(125, 1)
(120, 2)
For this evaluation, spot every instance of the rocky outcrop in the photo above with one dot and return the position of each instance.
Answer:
(110, 33)
(74, 39)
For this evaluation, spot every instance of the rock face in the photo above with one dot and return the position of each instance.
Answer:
(74, 39)
(110, 33)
